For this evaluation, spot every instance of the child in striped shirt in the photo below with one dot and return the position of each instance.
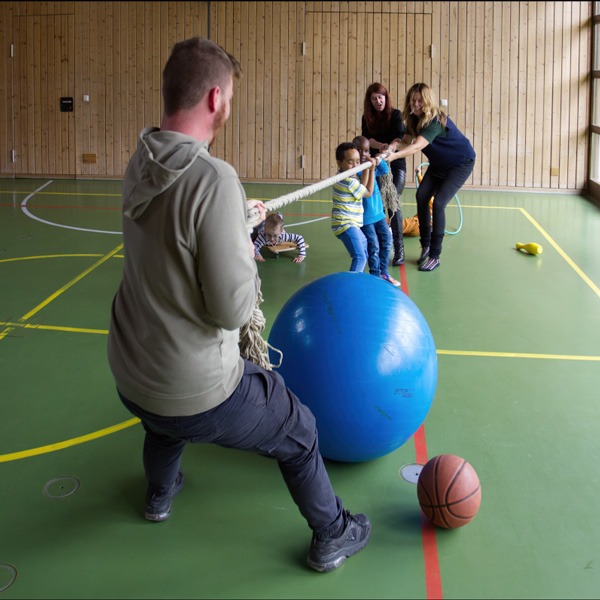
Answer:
(272, 233)
(347, 208)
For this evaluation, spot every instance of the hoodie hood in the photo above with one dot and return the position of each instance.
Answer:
(162, 158)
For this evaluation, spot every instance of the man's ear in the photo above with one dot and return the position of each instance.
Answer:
(213, 98)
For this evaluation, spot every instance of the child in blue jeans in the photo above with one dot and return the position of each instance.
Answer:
(375, 226)
(347, 208)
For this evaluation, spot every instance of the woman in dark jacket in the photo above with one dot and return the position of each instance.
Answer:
(382, 123)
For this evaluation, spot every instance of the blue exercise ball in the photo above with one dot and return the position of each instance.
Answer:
(359, 353)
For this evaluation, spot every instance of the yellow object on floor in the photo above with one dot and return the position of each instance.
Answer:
(530, 248)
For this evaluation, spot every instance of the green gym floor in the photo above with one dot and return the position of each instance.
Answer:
(518, 396)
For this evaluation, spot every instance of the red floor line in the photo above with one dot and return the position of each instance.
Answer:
(433, 580)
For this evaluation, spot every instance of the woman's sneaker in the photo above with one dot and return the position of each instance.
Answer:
(329, 554)
(424, 255)
(158, 505)
(430, 264)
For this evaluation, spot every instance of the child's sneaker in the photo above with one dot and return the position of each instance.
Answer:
(389, 278)
(326, 555)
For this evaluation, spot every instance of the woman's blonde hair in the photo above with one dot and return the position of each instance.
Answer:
(431, 110)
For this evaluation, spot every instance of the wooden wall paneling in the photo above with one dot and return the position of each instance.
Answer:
(234, 119)
(270, 99)
(174, 35)
(278, 93)
(401, 82)
(218, 28)
(335, 88)
(580, 101)
(89, 42)
(252, 172)
(436, 63)
(346, 90)
(574, 90)
(583, 84)
(312, 88)
(512, 93)
(565, 110)
(160, 54)
(529, 58)
(35, 43)
(132, 130)
(232, 39)
(52, 85)
(395, 81)
(386, 43)
(486, 85)
(29, 130)
(67, 70)
(423, 49)
(107, 125)
(191, 19)
(530, 118)
(494, 78)
(503, 74)
(355, 95)
(323, 130)
(6, 120)
(259, 89)
(242, 92)
(64, 65)
(82, 33)
(140, 89)
(557, 136)
(546, 100)
(115, 136)
(291, 130)
(458, 103)
(123, 79)
(377, 43)
(477, 78)
(98, 72)
(467, 86)
(538, 90)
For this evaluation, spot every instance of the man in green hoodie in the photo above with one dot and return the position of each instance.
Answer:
(189, 283)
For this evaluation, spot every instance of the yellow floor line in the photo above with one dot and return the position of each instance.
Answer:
(519, 355)
(577, 270)
(71, 283)
(13, 325)
(67, 443)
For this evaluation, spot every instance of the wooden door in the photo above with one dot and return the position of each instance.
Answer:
(344, 53)
(43, 73)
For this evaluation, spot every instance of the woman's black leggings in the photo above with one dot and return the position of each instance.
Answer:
(443, 185)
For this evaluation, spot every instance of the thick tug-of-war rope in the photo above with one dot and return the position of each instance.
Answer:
(253, 218)
(252, 345)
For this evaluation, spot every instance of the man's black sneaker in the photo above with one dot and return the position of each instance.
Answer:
(326, 555)
(158, 506)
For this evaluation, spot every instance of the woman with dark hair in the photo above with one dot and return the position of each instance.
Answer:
(382, 123)
(451, 160)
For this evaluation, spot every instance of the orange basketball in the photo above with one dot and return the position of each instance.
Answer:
(449, 491)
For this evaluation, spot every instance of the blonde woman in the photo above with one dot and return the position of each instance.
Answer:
(451, 160)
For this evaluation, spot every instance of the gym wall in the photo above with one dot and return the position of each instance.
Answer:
(515, 76)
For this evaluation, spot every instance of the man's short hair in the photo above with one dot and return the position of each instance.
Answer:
(195, 66)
